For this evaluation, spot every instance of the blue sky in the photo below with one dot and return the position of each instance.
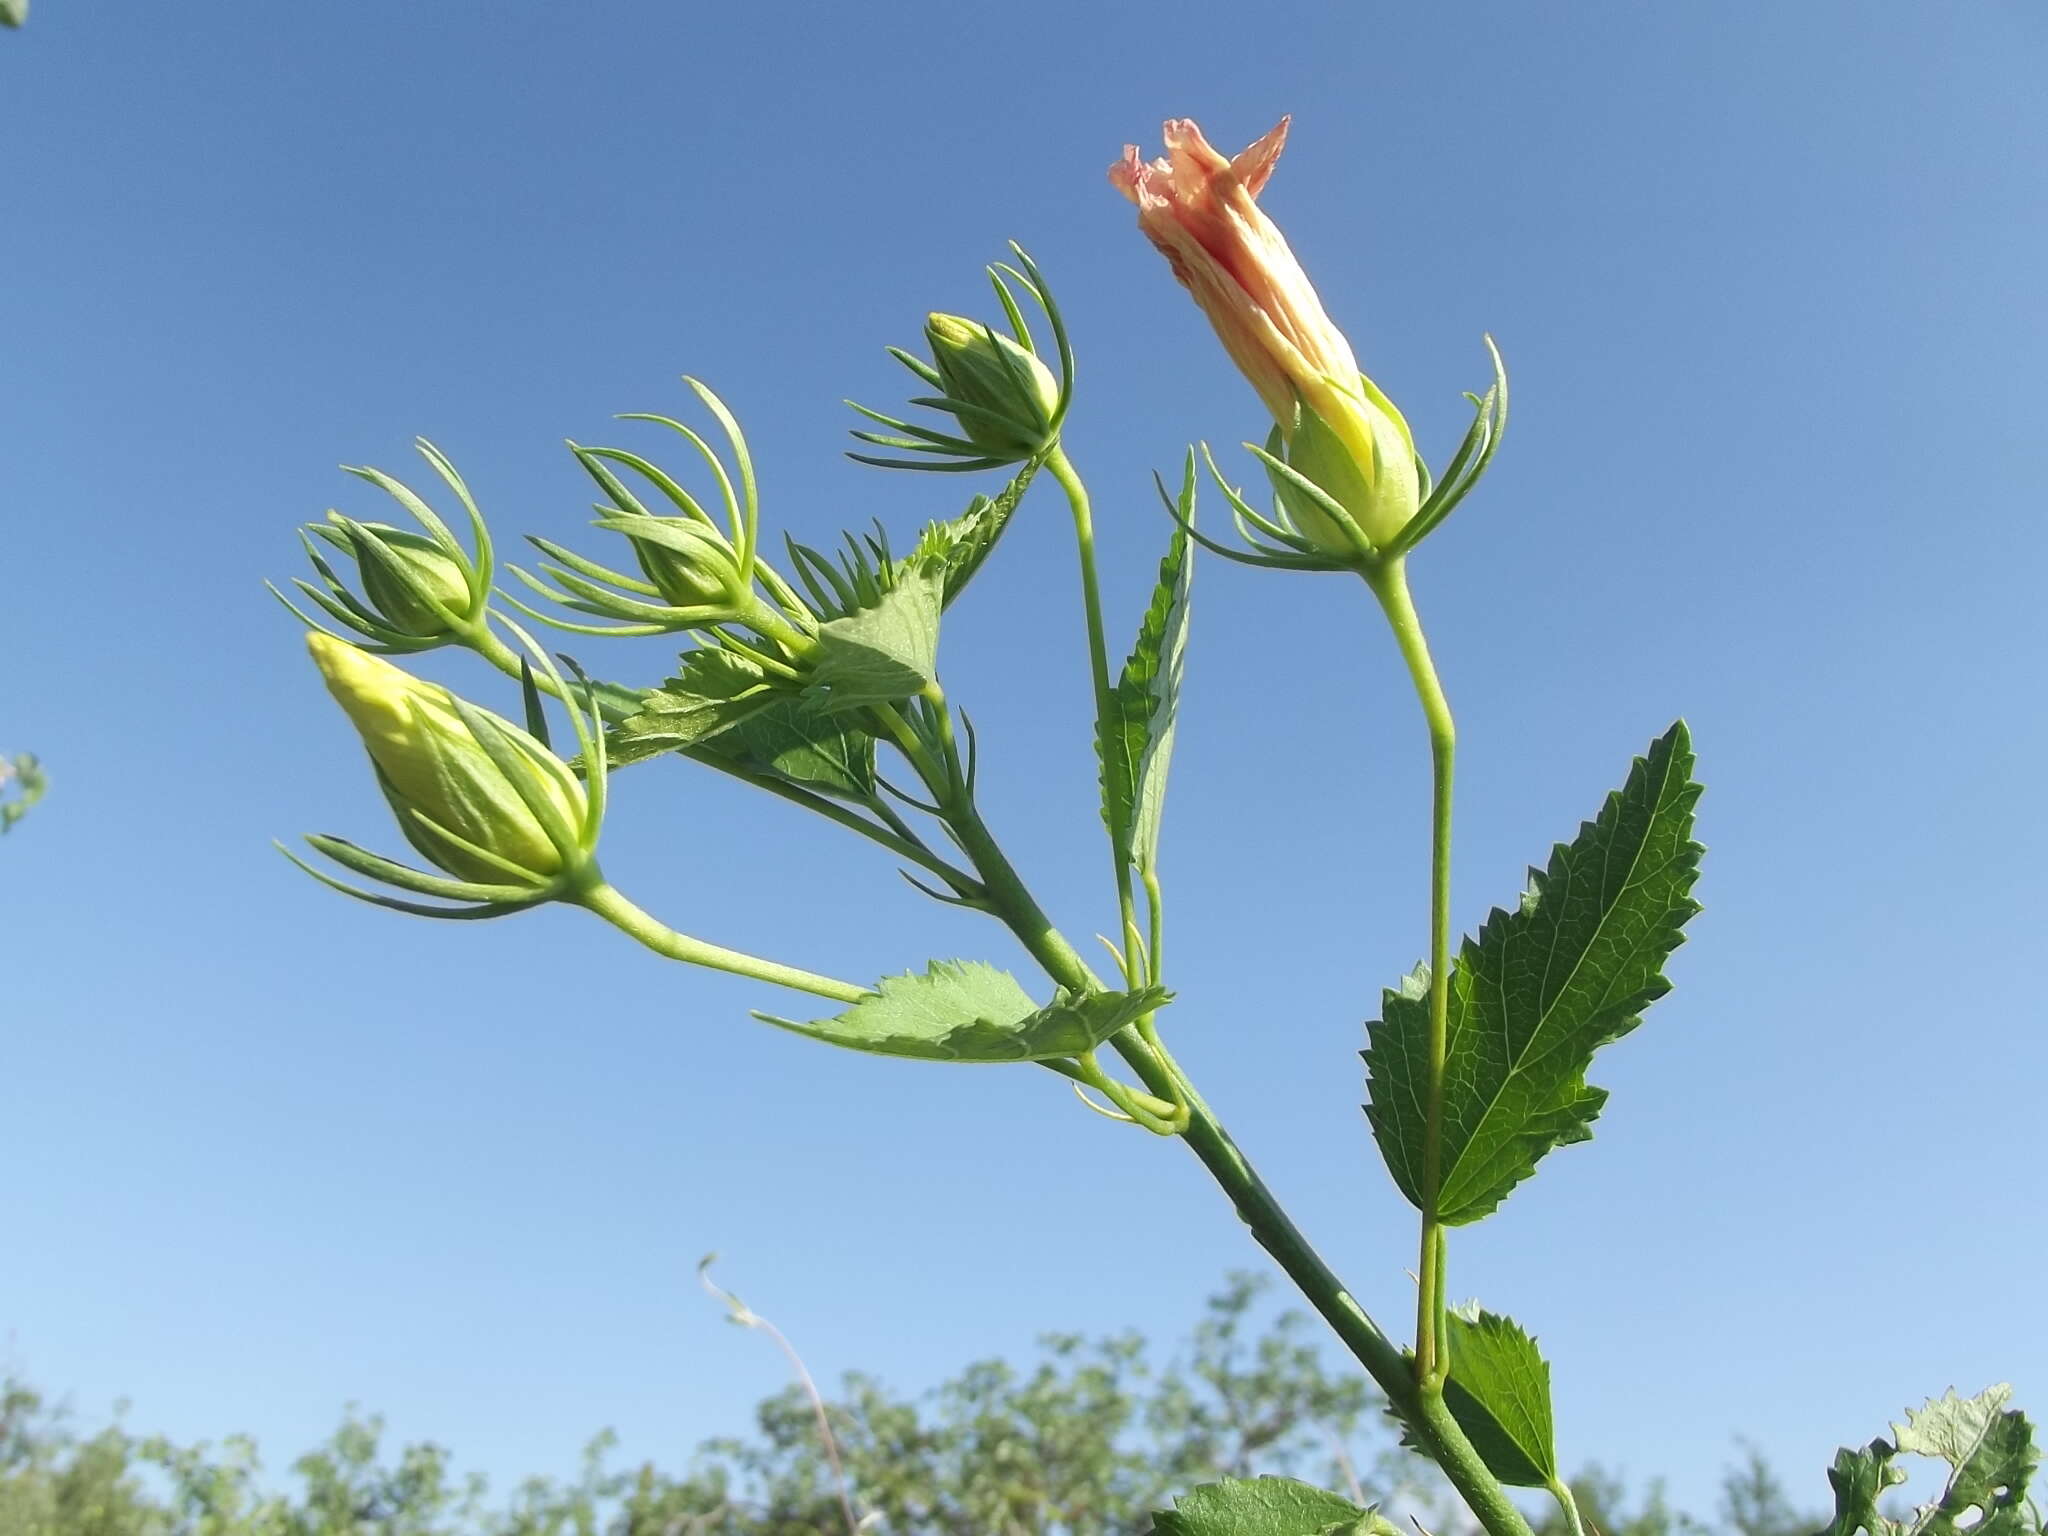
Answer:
(1767, 279)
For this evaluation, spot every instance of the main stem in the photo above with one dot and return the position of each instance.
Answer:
(1424, 1411)
(1389, 583)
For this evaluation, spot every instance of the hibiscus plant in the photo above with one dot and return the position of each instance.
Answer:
(809, 678)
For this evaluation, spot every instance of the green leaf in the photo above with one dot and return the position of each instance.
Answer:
(792, 740)
(1991, 1455)
(1859, 1478)
(955, 550)
(1991, 1449)
(712, 691)
(1538, 992)
(884, 652)
(13, 12)
(1499, 1392)
(1264, 1506)
(1135, 742)
(964, 1010)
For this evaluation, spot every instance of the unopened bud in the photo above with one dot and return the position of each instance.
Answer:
(446, 788)
(434, 571)
(694, 565)
(1009, 396)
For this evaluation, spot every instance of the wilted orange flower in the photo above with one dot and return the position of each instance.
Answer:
(1202, 212)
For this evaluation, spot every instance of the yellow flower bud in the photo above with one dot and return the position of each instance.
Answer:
(445, 787)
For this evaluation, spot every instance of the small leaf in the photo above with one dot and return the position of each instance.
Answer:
(792, 740)
(883, 652)
(955, 550)
(1264, 1506)
(1859, 1478)
(1538, 992)
(712, 691)
(1135, 743)
(1499, 1392)
(13, 12)
(964, 1010)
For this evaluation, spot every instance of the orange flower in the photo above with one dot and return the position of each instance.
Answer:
(1202, 213)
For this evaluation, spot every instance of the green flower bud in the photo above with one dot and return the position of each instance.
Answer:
(441, 575)
(519, 803)
(1006, 396)
(694, 565)
(1362, 458)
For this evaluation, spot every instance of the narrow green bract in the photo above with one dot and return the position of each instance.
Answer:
(1538, 992)
(965, 1010)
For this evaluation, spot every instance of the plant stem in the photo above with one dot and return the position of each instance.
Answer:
(1419, 1403)
(1561, 1491)
(1389, 583)
(1069, 480)
(609, 904)
(1424, 1411)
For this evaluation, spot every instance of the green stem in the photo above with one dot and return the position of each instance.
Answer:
(609, 904)
(507, 660)
(1069, 480)
(1424, 1412)
(1561, 1491)
(1389, 583)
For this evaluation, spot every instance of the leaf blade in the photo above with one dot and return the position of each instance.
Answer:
(1538, 992)
(1263, 1506)
(969, 1011)
(1134, 741)
(1499, 1392)
(884, 652)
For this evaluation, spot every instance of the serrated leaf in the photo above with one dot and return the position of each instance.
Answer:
(1135, 743)
(1261, 1506)
(711, 692)
(1991, 1455)
(1540, 990)
(965, 1010)
(1499, 1392)
(1859, 1478)
(1990, 1448)
(956, 549)
(792, 740)
(884, 652)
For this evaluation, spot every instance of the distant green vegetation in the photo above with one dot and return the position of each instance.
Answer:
(1082, 1442)
(21, 785)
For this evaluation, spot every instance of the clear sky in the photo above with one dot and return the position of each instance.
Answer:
(1768, 280)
